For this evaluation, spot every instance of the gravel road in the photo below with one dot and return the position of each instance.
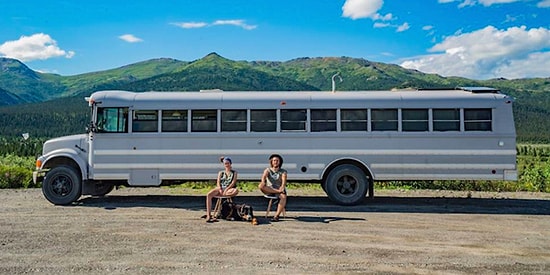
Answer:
(159, 231)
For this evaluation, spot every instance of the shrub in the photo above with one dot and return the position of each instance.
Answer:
(15, 177)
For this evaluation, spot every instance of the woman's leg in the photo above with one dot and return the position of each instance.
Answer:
(282, 204)
(268, 190)
(231, 192)
(209, 197)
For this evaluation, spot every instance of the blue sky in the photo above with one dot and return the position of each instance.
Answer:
(478, 39)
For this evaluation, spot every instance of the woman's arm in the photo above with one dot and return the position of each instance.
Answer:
(283, 183)
(218, 184)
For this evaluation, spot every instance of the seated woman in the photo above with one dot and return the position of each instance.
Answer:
(273, 182)
(226, 185)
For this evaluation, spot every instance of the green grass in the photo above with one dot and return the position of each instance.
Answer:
(247, 186)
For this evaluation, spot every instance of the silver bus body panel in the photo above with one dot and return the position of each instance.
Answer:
(148, 159)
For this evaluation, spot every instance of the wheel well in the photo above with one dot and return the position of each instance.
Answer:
(354, 162)
(63, 161)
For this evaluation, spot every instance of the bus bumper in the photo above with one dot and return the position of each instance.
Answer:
(38, 176)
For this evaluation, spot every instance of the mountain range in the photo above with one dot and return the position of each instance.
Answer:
(25, 93)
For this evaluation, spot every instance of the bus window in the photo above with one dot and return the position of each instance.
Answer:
(293, 120)
(174, 121)
(384, 119)
(112, 120)
(204, 120)
(446, 120)
(233, 120)
(323, 120)
(354, 119)
(145, 121)
(477, 119)
(263, 120)
(414, 120)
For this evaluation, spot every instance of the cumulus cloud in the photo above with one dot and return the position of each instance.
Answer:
(195, 25)
(544, 4)
(356, 9)
(130, 38)
(38, 46)
(516, 52)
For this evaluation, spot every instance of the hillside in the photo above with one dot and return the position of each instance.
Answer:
(55, 103)
(216, 72)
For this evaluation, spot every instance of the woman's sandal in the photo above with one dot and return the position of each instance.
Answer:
(275, 219)
(211, 220)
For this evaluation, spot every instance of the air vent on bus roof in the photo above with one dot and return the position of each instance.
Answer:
(480, 90)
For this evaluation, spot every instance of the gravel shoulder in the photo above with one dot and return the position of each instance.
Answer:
(159, 231)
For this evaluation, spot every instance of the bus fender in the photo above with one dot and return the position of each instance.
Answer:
(362, 165)
(65, 156)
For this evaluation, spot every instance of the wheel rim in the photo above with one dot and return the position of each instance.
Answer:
(346, 185)
(62, 186)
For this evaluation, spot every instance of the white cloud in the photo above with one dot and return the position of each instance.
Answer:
(37, 46)
(492, 2)
(194, 25)
(356, 9)
(516, 52)
(130, 38)
(427, 27)
(380, 25)
(191, 25)
(487, 3)
(403, 27)
(238, 23)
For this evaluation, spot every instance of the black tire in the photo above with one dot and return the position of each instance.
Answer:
(62, 185)
(103, 189)
(347, 185)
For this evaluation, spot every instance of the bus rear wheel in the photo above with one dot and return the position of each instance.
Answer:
(346, 185)
(62, 185)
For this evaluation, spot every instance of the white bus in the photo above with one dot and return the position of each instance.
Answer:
(343, 140)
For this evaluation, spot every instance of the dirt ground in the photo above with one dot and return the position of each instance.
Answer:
(159, 231)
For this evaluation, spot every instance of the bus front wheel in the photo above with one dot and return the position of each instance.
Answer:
(62, 185)
(346, 185)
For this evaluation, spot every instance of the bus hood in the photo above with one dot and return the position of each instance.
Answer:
(76, 142)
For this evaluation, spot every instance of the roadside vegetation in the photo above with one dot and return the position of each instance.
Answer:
(17, 160)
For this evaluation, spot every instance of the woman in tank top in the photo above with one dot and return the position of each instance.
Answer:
(273, 182)
(226, 185)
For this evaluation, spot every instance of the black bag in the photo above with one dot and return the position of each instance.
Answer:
(236, 212)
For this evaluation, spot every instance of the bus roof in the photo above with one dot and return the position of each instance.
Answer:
(441, 98)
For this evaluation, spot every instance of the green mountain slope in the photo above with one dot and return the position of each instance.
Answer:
(29, 86)
(120, 76)
(216, 72)
(7, 98)
(356, 74)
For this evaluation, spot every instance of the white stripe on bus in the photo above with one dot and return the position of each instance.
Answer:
(283, 152)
